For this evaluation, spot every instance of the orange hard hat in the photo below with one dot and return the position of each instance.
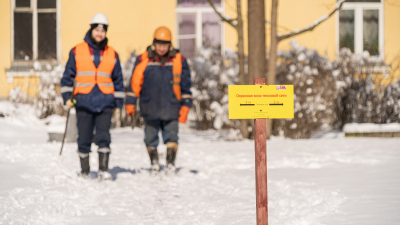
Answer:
(162, 34)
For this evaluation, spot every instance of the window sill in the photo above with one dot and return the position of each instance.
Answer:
(29, 69)
(21, 73)
(384, 70)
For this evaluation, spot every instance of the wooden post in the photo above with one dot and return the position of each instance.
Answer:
(260, 139)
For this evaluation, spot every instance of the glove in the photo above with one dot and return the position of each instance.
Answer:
(183, 114)
(70, 104)
(117, 111)
(130, 110)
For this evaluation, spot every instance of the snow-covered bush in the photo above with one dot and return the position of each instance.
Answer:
(49, 100)
(391, 103)
(314, 92)
(362, 97)
(17, 96)
(211, 75)
(123, 120)
(329, 95)
(127, 68)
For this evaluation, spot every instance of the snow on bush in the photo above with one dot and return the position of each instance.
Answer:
(127, 68)
(314, 92)
(211, 74)
(327, 94)
(391, 103)
(362, 97)
(330, 95)
(123, 120)
(17, 96)
(49, 101)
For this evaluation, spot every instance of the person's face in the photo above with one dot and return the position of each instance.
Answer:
(161, 49)
(98, 34)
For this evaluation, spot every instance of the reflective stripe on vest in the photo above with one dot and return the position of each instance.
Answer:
(177, 72)
(87, 75)
(138, 74)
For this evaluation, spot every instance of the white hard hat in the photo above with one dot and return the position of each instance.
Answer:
(99, 18)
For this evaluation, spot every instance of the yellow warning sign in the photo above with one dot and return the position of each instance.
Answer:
(261, 101)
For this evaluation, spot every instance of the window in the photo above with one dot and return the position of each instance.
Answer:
(360, 27)
(198, 26)
(35, 35)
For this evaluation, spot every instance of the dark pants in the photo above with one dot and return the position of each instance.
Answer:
(87, 122)
(169, 132)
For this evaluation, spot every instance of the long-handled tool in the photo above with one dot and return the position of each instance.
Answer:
(133, 120)
(66, 125)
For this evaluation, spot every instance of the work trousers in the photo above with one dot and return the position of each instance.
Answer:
(169, 132)
(88, 122)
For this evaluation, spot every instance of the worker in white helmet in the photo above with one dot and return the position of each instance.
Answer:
(98, 92)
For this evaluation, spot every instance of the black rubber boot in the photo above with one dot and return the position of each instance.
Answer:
(85, 167)
(153, 155)
(103, 166)
(171, 155)
(103, 161)
(155, 165)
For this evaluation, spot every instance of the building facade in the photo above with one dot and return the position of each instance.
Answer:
(45, 30)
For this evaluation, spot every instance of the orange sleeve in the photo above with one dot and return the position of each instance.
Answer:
(138, 75)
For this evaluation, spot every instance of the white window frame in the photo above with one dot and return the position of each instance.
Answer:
(198, 11)
(33, 8)
(358, 8)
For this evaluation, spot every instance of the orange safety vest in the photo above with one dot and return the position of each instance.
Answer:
(87, 75)
(138, 75)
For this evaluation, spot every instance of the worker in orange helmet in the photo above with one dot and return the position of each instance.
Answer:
(161, 80)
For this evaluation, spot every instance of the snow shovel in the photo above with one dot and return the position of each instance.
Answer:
(66, 125)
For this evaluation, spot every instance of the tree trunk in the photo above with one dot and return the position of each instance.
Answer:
(274, 44)
(242, 78)
(256, 42)
(272, 55)
(256, 32)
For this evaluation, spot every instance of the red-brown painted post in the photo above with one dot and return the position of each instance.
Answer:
(260, 139)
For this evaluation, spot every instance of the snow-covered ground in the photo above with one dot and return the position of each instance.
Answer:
(325, 180)
(371, 128)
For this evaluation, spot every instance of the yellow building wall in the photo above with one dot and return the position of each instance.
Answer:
(28, 85)
(132, 22)
(5, 45)
(392, 34)
(292, 15)
(392, 30)
(231, 35)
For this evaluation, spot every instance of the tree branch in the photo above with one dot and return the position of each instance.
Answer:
(316, 23)
(229, 21)
(279, 26)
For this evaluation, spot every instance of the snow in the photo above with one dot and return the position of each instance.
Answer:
(328, 179)
(19, 120)
(321, 19)
(339, 3)
(371, 128)
(55, 123)
(301, 57)
(230, 53)
(37, 65)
